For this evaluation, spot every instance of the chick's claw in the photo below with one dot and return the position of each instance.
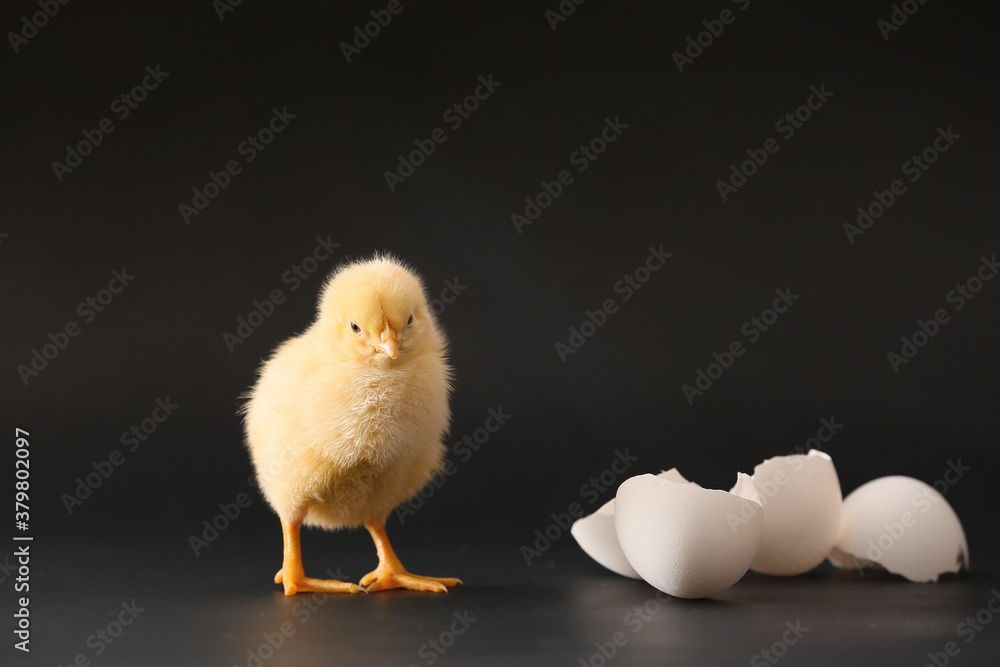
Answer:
(383, 579)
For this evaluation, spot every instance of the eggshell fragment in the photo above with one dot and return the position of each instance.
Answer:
(596, 533)
(802, 503)
(684, 540)
(673, 475)
(903, 525)
(596, 536)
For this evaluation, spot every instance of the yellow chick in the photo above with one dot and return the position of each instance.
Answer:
(346, 420)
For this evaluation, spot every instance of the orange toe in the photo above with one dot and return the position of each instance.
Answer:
(310, 585)
(383, 578)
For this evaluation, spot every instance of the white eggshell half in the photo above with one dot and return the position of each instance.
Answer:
(596, 536)
(684, 540)
(673, 475)
(596, 533)
(903, 525)
(802, 501)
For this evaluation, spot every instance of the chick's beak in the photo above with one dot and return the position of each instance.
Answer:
(389, 344)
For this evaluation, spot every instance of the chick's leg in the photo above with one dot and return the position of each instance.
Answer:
(390, 573)
(291, 573)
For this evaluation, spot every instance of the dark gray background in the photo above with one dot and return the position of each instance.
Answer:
(323, 176)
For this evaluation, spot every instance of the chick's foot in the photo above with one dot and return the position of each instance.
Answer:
(390, 573)
(291, 574)
(384, 578)
(303, 584)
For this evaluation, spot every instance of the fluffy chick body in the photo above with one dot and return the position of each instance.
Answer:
(339, 432)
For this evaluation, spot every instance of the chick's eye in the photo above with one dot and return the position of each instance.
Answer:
(355, 328)
(409, 321)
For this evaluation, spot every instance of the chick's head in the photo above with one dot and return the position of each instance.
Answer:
(376, 311)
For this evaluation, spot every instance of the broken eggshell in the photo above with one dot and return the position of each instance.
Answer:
(673, 475)
(684, 540)
(596, 536)
(902, 525)
(801, 497)
(596, 533)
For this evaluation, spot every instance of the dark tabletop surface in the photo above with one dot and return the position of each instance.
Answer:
(220, 608)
